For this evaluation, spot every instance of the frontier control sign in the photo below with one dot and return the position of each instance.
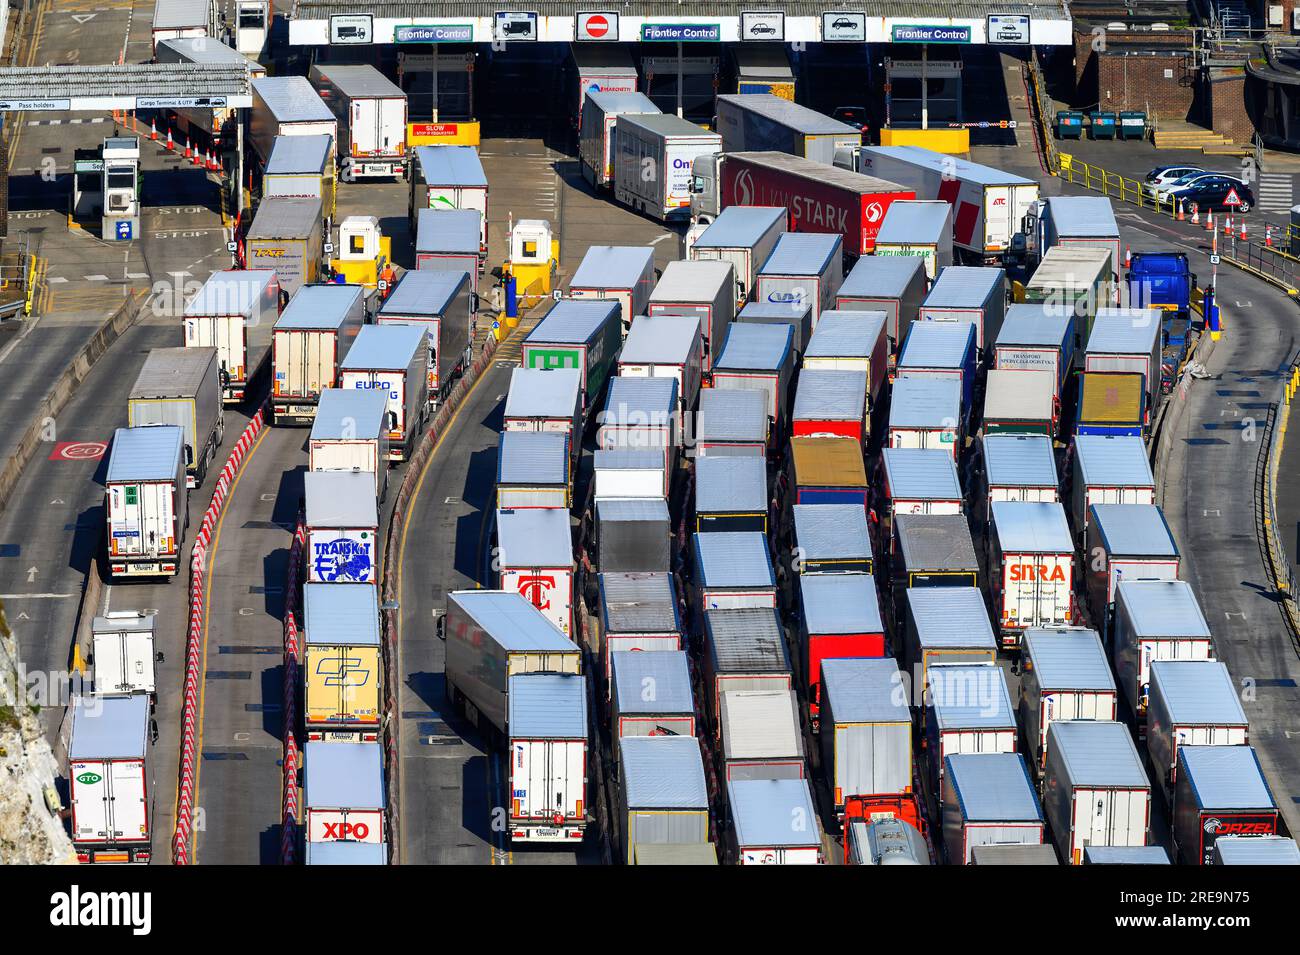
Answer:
(435, 33)
(915, 33)
(681, 33)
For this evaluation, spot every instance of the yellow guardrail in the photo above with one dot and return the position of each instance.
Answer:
(1115, 186)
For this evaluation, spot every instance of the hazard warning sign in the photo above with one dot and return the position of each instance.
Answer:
(1232, 199)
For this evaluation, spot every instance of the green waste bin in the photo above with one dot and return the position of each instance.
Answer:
(1102, 124)
(1132, 124)
(1069, 124)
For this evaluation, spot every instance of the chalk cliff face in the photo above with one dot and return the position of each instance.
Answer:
(29, 833)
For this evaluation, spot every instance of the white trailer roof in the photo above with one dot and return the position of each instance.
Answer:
(341, 614)
(845, 333)
(1134, 530)
(659, 339)
(1019, 394)
(513, 622)
(802, 254)
(667, 671)
(448, 231)
(384, 348)
(613, 267)
(970, 697)
(840, 603)
(993, 787)
(830, 531)
(663, 773)
(534, 537)
(966, 286)
(1162, 608)
(533, 458)
(1083, 216)
(424, 293)
(733, 560)
(824, 394)
(914, 222)
(340, 499)
(729, 485)
(450, 166)
(349, 414)
(234, 292)
(921, 474)
(1225, 777)
(1022, 460)
(692, 281)
(1068, 659)
(1197, 693)
(863, 690)
(935, 542)
(1113, 460)
(109, 727)
(1098, 754)
(1041, 325)
(1031, 527)
(925, 403)
(1257, 850)
(150, 453)
(1124, 331)
(343, 776)
(543, 392)
(950, 618)
(937, 345)
(763, 812)
(951, 166)
(740, 227)
(292, 99)
(318, 307)
(881, 276)
(730, 414)
(547, 706)
(760, 724)
(638, 603)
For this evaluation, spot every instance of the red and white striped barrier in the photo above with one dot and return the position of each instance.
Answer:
(292, 658)
(194, 639)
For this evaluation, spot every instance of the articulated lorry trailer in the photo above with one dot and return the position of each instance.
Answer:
(371, 111)
(764, 121)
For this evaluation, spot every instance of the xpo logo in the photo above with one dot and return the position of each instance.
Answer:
(347, 831)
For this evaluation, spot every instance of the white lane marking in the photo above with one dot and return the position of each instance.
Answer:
(95, 278)
(54, 279)
(35, 596)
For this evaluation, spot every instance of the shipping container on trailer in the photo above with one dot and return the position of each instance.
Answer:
(731, 423)
(650, 696)
(350, 433)
(731, 494)
(182, 387)
(122, 653)
(493, 635)
(1193, 703)
(733, 571)
(653, 153)
(342, 668)
(1018, 467)
(765, 122)
(745, 649)
(743, 236)
(830, 539)
(988, 799)
(600, 112)
(773, 822)
(839, 617)
(1108, 469)
(1112, 404)
(344, 794)
(944, 625)
(819, 198)
(666, 346)
(174, 19)
(1256, 850)
(918, 481)
(866, 729)
(1127, 340)
(638, 612)
(234, 312)
(832, 404)
(926, 413)
(641, 415)
(449, 177)
(1095, 790)
(804, 268)
(1125, 542)
(1154, 620)
(346, 853)
(968, 710)
(662, 798)
(540, 400)
(852, 340)
(1125, 855)
(884, 841)
(534, 558)
(311, 339)
(988, 205)
(371, 110)
(1023, 854)
(394, 361)
(798, 315)
(1064, 675)
(633, 535)
(446, 240)
(147, 503)
(620, 474)
(1033, 337)
(827, 471)
(625, 273)
(302, 167)
(342, 518)
(547, 741)
(287, 106)
(1073, 283)
(933, 551)
(533, 470)
(582, 334)
(964, 293)
(287, 235)
(1221, 792)
(941, 350)
(443, 304)
(110, 778)
(1020, 401)
(1081, 220)
(1033, 554)
(761, 738)
(893, 284)
(916, 227)
(758, 358)
(705, 290)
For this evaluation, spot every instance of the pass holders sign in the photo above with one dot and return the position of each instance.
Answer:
(514, 26)
(681, 33)
(351, 28)
(762, 26)
(34, 105)
(1008, 29)
(598, 26)
(924, 33)
(434, 33)
(844, 27)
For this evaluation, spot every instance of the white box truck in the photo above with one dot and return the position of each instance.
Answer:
(343, 792)
(449, 177)
(444, 305)
(122, 652)
(287, 235)
(764, 122)
(1155, 620)
(311, 339)
(287, 106)
(1034, 557)
(371, 111)
(234, 312)
(600, 112)
(110, 779)
(547, 729)
(393, 360)
(1096, 791)
(705, 290)
(652, 162)
(744, 236)
(342, 518)
(913, 227)
(1064, 675)
(342, 669)
(350, 433)
(183, 19)
(620, 272)
(534, 558)
(147, 501)
(182, 386)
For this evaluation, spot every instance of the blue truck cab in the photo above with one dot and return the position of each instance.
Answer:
(1165, 280)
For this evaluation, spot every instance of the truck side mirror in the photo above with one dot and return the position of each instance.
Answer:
(440, 626)
(159, 658)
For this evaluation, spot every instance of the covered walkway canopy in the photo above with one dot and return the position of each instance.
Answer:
(127, 87)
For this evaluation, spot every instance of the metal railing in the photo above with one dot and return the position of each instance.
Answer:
(1283, 574)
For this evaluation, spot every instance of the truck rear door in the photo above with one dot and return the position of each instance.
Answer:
(392, 127)
(364, 129)
(129, 813)
(90, 801)
(111, 664)
(999, 218)
(548, 781)
(1036, 590)
(142, 520)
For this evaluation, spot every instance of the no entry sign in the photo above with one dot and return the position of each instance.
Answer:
(601, 25)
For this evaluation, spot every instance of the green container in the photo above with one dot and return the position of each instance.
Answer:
(1103, 124)
(1069, 124)
(1132, 124)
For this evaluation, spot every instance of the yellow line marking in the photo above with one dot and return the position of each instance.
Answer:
(207, 610)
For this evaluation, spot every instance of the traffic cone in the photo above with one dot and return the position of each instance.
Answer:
(1242, 236)
(171, 146)
(153, 130)
(1180, 210)
(1128, 256)
(1196, 215)
(1268, 236)
(1227, 225)
(213, 162)
(1209, 222)
(189, 153)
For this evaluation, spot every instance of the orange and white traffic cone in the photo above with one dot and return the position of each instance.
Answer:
(1128, 256)
(1196, 215)
(153, 130)
(1268, 236)
(1209, 222)
(1242, 236)
(1180, 210)
(171, 146)
(1227, 225)
(189, 153)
